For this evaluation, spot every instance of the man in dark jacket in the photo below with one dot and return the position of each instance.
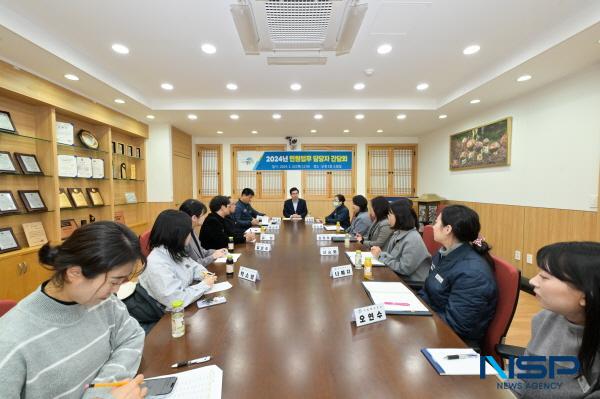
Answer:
(245, 215)
(295, 207)
(216, 229)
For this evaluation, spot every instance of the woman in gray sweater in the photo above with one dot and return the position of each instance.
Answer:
(405, 251)
(379, 232)
(361, 221)
(568, 288)
(73, 331)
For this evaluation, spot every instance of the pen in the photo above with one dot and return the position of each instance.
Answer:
(397, 303)
(207, 273)
(107, 384)
(463, 356)
(190, 362)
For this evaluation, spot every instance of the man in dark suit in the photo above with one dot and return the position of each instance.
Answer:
(217, 229)
(295, 207)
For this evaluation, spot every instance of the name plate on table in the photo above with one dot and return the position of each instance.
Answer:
(309, 219)
(329, 250)
(341, 271)
(262, 246)
(267, 237)
(369, 314)
(249, 274)
(317, 226)
(275, 220)
(324, 237)
(273, 227)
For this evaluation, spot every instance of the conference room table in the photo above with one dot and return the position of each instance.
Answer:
(290, 334)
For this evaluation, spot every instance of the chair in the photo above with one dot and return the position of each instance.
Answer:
(432, 246)
(6, 305)
(508, 280)
(145, 244)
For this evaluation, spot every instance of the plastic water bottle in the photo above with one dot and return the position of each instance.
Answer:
(358, 259)
(230, 245)
(337, 227)
(177, 321)
(368, 268)
(347, 240)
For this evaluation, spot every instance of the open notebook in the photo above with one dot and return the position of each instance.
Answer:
(200, 383)
(396, 297)
(469, 365)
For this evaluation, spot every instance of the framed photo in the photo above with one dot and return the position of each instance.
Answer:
(8, 241)
(6, 123)
(123, 171)
(35, 233)
(130, 197)
(78, 198)
(114, 147)
(32, 199)
(64, 200)
(29, 164)
(88, 139)
(64, 133)
(67, 227)
(95, 196)
(482, 147)
(138, 152)
(6, 163)
(121, 148)
(7, 203)
(130, 150)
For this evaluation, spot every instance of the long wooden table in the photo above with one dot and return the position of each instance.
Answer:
(290, 334)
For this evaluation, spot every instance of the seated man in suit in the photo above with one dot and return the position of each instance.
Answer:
(295, 207)
(216, 229)
(245, 215)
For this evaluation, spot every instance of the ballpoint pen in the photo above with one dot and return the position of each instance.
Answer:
(461, 356)
(190, 362)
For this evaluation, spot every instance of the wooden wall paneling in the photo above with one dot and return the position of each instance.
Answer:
(316, 208)
(199, 169)
(154, 208)
(182, 179)
(181, 143)
(329, 191)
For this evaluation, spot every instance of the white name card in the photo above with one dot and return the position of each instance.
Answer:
(309, 219)
(369, 314)
(341, 271)
(329, 250)
(249, 274)
(275, 220)
(317, 226)
(273, 227)
(262, 246)
(323, 237)
(267, 237)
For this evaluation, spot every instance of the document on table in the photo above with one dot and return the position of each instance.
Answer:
(253, 230)
(396, 297)
(364, 255)
(202, 383)
(224, 259)
(467, 366)
(218, 287)
(331, 228)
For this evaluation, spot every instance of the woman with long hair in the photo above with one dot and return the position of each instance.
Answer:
(361, 221)
(379, 232)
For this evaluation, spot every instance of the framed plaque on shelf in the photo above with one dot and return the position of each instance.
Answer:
(32, 199)
(64, 133)
(67, 227)
(88, 139)
(120, 217)
(6, 123)
(35, 234)
(78, 198)
(114, 147)
(132, 173)
(130, 150)
(29, 164)
(123, 171)
(64, 200)
(6, 163)
(97, 168)
(67, 166)
(95, 196)
(7, 203)
(138, 152)
(84, 167)
(121, 148)
(8, 241)
(130, 198)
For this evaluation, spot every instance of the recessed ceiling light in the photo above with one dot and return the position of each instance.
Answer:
(523, 78)
(119, 48)
(166, 86)
(295, 86)
(346, 131)
(313, 130)
(318, 116)
(379, 130)
(219, 132)
(369, 71)
(235, 117)
(208, 48)
(231, 86)
(422, 86)
(150, 116)
(475, 101)
(276, 116)
(401, 116)
(384, 49)
(119, 101)
(359, 86)
(471, 49)
(443, 116)
(192, 117)
(359, 116)
(70, 76)
(254, 132)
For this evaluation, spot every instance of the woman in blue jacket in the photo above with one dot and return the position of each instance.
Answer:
(340, 212)
(461, 287)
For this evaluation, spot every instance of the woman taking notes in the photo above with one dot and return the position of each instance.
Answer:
(72, 331)
(197, 211)
(361, 221)
(461, 287)
(379, 231)
(405, 252)
(568, 288)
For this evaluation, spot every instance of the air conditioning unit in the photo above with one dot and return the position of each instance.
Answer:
(298, 30)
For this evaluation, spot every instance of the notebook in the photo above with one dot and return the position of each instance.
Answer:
(396, 297)
(467, 366)
(201, 383)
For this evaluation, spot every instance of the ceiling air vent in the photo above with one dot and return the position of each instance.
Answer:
(301, 30)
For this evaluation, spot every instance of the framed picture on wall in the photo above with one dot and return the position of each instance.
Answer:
(482, 147)
(8, 241)
(6, 123)
(29, 164)
(32, 199)
(6, 163)
(7, 203)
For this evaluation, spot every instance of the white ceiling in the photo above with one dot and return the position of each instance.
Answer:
(547, 39)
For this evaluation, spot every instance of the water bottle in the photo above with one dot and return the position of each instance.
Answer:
(368, 268)
(230, 245)
(347, 240)
(337, 227)
(177, 321)
(358, 259)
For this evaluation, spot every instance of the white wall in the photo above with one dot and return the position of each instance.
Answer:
(159, 164)
(294, 178)
(555, 150)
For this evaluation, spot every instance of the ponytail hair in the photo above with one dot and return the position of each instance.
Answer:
(96, 247)
(465, 227)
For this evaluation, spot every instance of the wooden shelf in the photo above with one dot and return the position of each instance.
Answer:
(22, 251)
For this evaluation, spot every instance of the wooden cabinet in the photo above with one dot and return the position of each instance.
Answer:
(182, 166)
(21, 274)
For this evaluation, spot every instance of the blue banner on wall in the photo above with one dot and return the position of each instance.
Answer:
(305, 160)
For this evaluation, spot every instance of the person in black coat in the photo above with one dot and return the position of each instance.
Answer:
(340, 213)
(295, 207)
(217, 229)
